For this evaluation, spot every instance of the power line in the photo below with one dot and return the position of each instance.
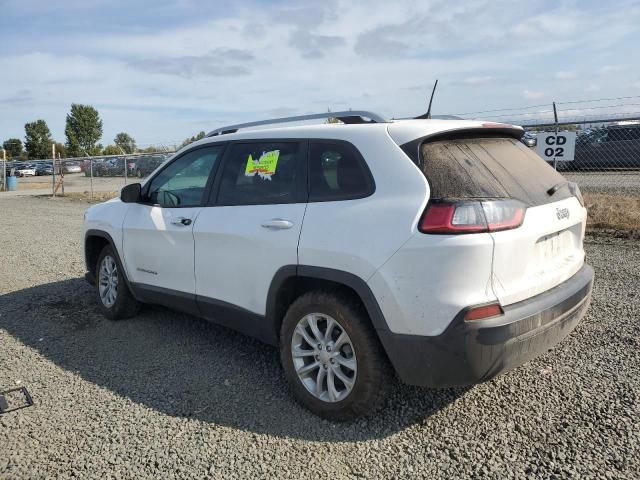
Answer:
(597, 100)
(570, 102)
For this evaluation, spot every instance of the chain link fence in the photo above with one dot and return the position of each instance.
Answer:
(605, 155)
(82, 174)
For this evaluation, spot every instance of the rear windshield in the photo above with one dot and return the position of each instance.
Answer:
(488, 168)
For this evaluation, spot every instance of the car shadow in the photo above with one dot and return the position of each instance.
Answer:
(186, 367)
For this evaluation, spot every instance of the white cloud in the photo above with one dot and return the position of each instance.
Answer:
(477, 80)
(607, 69)
(253, 60)
(563, 75)
(532, 95)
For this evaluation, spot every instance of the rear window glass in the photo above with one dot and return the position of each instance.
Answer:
(488, 168)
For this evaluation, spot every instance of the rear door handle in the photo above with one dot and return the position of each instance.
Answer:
(277, 224)
(181, 221)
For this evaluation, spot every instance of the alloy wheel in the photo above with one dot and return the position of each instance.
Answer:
(324, 357)
(108, 281)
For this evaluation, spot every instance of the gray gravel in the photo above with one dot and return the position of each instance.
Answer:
(168, 396)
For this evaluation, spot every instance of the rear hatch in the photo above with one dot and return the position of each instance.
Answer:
(546, 247)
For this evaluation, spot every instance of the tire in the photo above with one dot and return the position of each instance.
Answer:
(121, 304)
(372, 375)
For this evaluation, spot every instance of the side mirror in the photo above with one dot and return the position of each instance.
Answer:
(131, 193)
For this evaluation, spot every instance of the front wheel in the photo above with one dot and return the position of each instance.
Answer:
(332, 358)
(114, 296)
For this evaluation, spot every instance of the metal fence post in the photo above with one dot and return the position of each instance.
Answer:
(555, 118)
(91, 175)
(61, 175)
(4, 170)
(53, 164)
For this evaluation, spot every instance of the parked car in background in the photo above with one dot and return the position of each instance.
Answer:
(147, 164)
(614, 147)
(91, 165)
(26, 170)
(529, 139)
(44, 169)
(71, 167)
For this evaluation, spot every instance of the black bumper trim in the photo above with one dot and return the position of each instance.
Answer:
(472, 352)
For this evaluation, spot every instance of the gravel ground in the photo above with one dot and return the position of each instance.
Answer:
(168, 396)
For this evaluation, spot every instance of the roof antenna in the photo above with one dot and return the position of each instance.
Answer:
(428, 114)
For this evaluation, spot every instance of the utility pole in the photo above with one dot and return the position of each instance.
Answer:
(126, 165)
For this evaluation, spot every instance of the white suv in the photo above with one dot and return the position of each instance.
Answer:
(445, 251)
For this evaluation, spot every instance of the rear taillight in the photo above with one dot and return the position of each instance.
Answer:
(472, 216)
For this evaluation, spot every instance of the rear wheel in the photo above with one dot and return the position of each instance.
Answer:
(114, 296)
(332, 359)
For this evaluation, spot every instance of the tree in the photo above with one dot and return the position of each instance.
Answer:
(13, 146)
(195, 138)
(61, 150)
(83, 130)
(95, 150)
(111, 150)
(125, 142)
(37, 139)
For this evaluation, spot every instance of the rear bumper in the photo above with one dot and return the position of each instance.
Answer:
(473, 352)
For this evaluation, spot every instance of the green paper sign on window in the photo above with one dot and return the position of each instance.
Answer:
(264, 167)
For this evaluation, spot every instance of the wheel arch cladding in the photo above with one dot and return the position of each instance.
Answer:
(290, 282)
(94, 242)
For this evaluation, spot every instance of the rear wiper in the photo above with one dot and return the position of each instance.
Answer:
(557, 187)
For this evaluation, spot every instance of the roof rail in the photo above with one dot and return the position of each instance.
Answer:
(348, 116)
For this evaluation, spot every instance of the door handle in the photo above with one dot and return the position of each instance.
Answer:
(277, 224)
(181, 221)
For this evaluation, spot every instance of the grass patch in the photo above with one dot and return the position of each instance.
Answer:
(613, 212)
(87, 197)
(97, 197)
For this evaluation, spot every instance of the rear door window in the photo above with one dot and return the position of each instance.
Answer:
(488, 168)
(337, 172)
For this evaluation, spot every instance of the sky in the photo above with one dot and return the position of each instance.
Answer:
(163, 70)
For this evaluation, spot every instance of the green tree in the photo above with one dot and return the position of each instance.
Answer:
(13, 146)
(111, 150)
(83, 130)
(125, 142)
(37, 139)
(95, 150)
(151, 149)
(195, 138)
(61, 150)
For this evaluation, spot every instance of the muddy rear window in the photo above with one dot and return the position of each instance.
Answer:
(488, 168)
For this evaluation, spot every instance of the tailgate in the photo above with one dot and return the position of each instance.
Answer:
(545, 251)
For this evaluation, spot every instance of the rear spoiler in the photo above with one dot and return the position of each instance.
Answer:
(488, 129)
